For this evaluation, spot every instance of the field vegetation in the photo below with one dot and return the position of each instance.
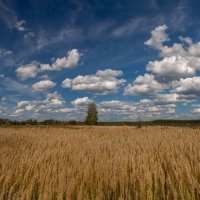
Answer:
(101, 163)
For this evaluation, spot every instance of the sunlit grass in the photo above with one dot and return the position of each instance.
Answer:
(99, 163)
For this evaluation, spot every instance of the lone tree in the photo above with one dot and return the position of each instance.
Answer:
(139, 122)
(92, 115)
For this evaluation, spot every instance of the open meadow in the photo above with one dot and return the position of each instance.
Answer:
(101, 163)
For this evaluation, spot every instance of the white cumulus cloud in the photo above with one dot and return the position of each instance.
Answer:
(196, 110)
(81, 101)
(186, 52)
(31, 70)
(102, 82)
(143, 85)
(170, 68)
(70, 60)
(45, 67)
(158, 36)
(188, 86)
(27, 71)
(44, 84)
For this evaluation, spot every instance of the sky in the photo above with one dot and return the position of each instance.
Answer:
(136, 59)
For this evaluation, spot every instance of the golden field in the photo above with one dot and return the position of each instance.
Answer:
(101, 163)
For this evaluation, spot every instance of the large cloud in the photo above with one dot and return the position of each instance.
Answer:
(43, 85)
(158, 36)
(171, 68)
(188, 86)
(196, 110)
(70, 60)
(143, 85)
(27, 71)
(81, 101)
(53, 99)
(101, 83)
(194, 49)
(45, 67)
(171, 98)
(31, 70)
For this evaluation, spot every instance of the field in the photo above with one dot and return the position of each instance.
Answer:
(101, 163)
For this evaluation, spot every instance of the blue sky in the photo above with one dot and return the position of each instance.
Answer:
(135, 59)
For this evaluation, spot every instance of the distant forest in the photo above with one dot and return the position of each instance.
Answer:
(122, 123)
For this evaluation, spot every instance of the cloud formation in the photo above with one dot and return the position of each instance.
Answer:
(188, 86)
(31, 70)
(170, 80)
(27, 71)
(171, 68)
(70, 60)
(158, 37)
(143, 85)
(81, 101)
(184, 56)
(118, 105)
(52, 103)
(103, 82)
(177, 68)
(43, 85)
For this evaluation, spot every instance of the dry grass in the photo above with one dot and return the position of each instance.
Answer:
(99, 163)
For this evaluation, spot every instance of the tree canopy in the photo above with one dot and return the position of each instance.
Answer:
(92, 114)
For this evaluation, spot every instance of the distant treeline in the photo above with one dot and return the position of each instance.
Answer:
(123, 123)
(35, 122)
(161, 122)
